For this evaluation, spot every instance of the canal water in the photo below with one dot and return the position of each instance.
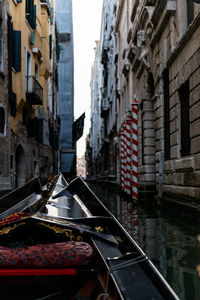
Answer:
(169, 240)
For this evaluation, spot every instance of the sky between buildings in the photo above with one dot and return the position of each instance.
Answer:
(87, 24)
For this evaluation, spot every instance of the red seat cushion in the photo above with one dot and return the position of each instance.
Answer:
(67, 254)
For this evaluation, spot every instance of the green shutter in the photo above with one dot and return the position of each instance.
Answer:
(33, 23)
(28, 8)
(16, 50)
(32, 38)
(31, 13)
(32, 19)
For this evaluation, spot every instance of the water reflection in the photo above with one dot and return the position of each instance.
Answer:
(171, 243)
(198, 251)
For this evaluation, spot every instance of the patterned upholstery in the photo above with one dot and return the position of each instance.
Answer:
(56, 255)
(14, 217)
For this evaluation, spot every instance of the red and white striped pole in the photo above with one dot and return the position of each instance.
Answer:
(127, 130)
(135, 149)
(122, 159)
(125, 157)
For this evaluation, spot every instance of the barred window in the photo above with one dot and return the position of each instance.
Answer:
(185, 119)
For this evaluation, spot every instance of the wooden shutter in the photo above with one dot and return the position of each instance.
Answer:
(31, 13)
(33, 21)
(16, 50)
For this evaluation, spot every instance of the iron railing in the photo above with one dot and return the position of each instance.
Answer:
(34, 90)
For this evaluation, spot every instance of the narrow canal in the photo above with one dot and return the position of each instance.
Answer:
(170, 241)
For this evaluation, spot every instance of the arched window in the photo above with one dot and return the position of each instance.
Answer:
(2, 120)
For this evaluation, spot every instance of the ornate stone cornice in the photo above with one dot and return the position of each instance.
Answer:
(165, 13)
(186, 37)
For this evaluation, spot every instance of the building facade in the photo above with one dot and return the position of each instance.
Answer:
(5, 168)
(66, 87)
(81, 167)
(95, 118)
(157, 63)
(103, 137)
(31, 91)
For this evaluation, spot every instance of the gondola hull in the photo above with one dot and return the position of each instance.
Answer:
(107, 262)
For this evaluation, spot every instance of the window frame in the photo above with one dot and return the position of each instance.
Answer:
(3, 133)
(184, 97)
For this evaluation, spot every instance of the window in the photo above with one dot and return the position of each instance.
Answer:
(16, 50)
(11, 161)
(13, 104)
(185, 119)
(2, 120)
(36, 71)
(50, 46)
(31, 13)
(28, 71)
(190, 11)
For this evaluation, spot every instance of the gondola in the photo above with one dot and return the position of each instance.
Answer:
(60, 242)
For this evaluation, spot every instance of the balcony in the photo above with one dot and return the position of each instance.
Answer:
(104, 109)
(47, 4)
(104, 112)
(34, 91)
